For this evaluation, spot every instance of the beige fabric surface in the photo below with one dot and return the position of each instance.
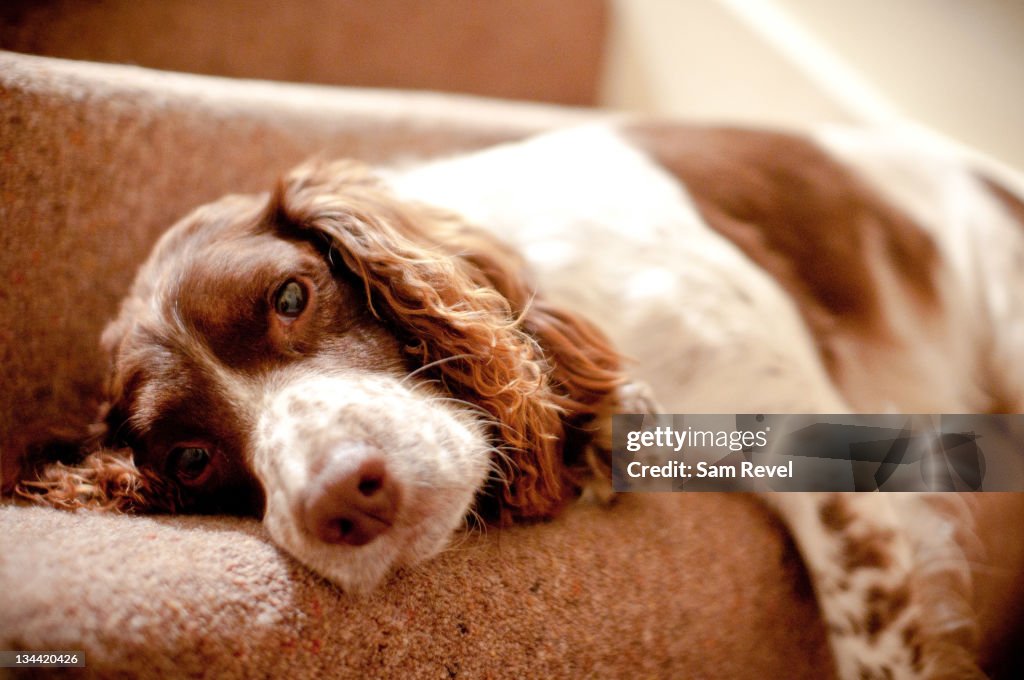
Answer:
(657, 587)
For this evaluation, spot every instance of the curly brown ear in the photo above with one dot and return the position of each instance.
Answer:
(106, 479)
(468, 313)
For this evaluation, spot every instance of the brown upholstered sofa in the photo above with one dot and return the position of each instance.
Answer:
(95, 160)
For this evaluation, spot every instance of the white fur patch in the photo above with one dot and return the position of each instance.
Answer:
(611, 235)
(435, 452)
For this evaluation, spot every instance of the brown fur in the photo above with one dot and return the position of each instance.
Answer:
(458, 302)
(867, 552)
(802, 217)
(105, 480)
(460, 298)
(1010, 201)
(834, 514)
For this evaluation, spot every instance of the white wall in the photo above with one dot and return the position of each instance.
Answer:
(956, 66)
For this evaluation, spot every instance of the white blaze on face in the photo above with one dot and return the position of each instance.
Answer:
(433, 451)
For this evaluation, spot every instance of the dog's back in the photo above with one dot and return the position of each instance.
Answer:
(764, 272)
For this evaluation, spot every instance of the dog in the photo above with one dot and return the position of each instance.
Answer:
(367, 358)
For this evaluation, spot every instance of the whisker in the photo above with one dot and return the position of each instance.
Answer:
(467, 404)
(474, 523)
(488, 416)
(434, 364)
(508, 432)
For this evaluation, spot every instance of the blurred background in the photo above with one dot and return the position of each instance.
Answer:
(956, 66)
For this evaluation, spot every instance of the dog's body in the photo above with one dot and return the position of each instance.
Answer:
(722, 318)
(738, 272)
(890, 289)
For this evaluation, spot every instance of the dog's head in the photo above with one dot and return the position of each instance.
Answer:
(361, 372)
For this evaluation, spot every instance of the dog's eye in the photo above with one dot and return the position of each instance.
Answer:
(188, 463)
(290, 299)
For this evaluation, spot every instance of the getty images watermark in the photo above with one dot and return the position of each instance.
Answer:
(733, 452)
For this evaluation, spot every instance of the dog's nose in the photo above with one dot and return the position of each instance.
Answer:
(353, 499)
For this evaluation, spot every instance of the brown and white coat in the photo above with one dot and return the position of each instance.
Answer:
(365, 358)
(842, 270)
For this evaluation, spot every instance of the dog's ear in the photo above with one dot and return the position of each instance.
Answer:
(105, 479)
(87, 467)
(90, 471)
(463, 303)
